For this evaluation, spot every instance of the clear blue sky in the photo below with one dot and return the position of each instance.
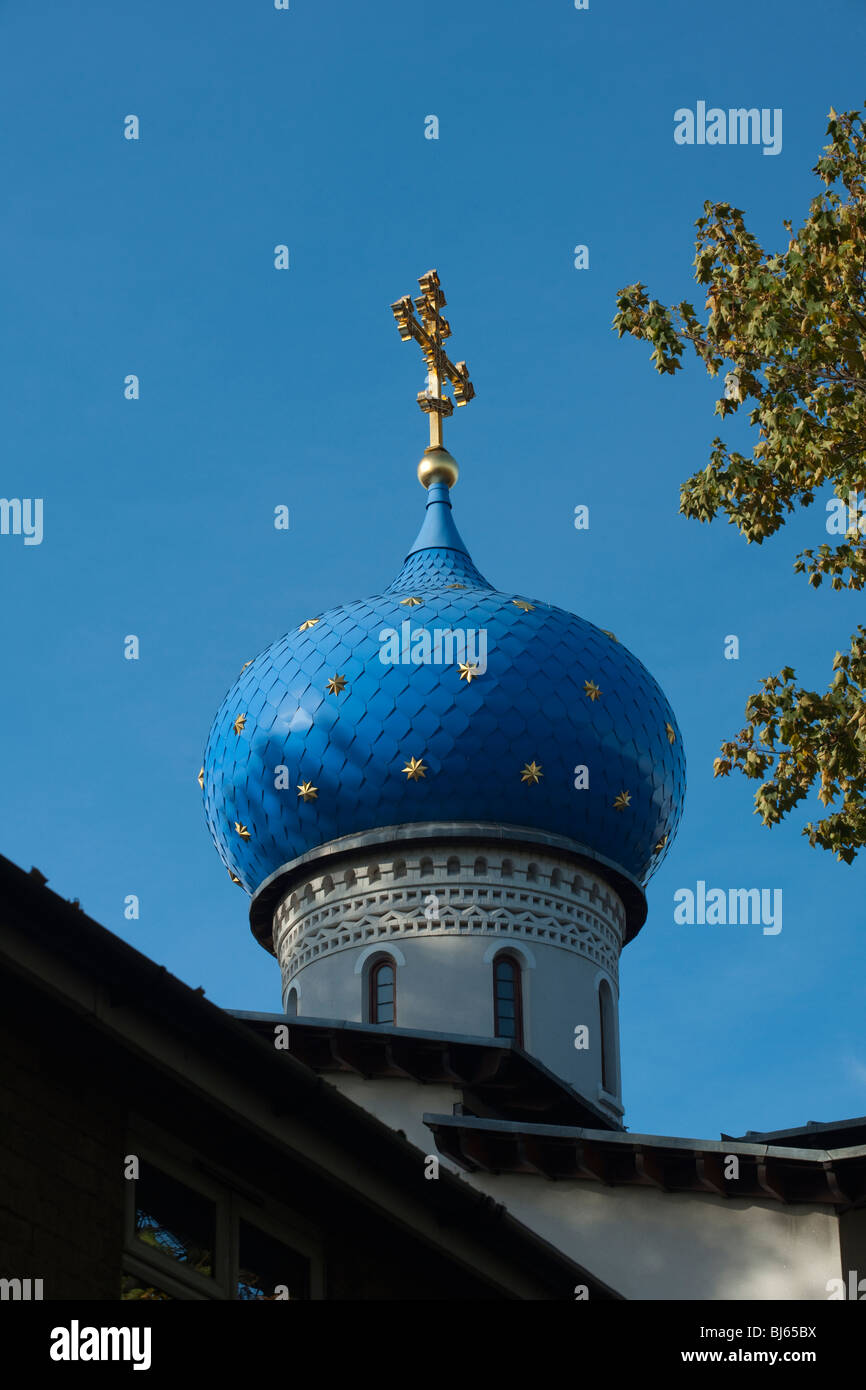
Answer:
(261, 387)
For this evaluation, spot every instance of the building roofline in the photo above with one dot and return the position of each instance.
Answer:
(500, 1074)
(813, 1128)
(39, 930)
(834, 1177)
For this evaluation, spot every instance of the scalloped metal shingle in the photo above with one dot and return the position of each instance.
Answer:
(474, 738)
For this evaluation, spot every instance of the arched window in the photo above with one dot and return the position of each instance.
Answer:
(480, 867)
(399, 870)
(556, 879)
(532, 873)
(383, 991)
(349, 878)
(507, 999)
(327, 884)
(426, 868)
(453, 865)
(507, 869)
(607, 1028)
(292, 1004)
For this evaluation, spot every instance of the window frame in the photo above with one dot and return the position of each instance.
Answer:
(607, 1033)
(233, 1204)
(375, 966)
(514, 961)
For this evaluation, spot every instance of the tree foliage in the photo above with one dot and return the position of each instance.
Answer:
(790, 329)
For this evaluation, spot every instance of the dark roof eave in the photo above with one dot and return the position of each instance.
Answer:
(495, 1069)
(849, 1131)
(64, 930)
(766, 1172)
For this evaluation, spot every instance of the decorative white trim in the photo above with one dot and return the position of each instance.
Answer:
(513, 895)
(611, 979)
(390, 949)
(516, 946)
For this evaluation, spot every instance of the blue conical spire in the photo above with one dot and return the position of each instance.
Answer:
(439, 557)
(439, 531)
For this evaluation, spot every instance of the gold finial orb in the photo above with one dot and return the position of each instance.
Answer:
(437, 466)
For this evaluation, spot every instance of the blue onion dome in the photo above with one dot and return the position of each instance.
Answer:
(442, 699)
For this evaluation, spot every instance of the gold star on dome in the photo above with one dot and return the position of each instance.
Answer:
(336, 685)
(521, 603)
(661, 844)
(201, 779)
(242, 831)
(671, 733)
(468, 671)
(311, 622)
(610, 635)
(307, 792)
(244, 667)
(411, 602)
(591, 690)
(623, 800)
(531, 773)
(455, 586)
(239, 723)
(234, 878)
(415, 769)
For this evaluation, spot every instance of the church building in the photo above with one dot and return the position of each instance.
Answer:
(393, 783)
(444, 802)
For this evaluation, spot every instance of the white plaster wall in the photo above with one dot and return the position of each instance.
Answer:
(400, 1103)
(566, 926)
(645, 1243)
(649, 1244)
(446, 985)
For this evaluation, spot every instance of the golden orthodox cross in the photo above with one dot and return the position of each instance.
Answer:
(430, 333)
